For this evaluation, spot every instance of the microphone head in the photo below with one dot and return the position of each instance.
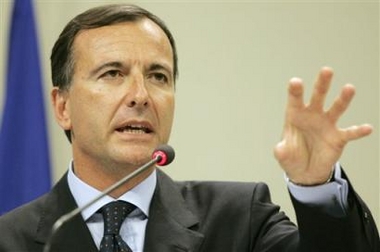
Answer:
(164, 153)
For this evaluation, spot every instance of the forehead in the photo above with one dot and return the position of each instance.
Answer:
(142, 37)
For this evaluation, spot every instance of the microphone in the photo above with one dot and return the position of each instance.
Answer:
(165, 154)
(162, 155)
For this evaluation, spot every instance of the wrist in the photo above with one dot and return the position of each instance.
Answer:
(328, 180)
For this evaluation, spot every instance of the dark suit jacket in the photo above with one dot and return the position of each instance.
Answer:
(199, 216)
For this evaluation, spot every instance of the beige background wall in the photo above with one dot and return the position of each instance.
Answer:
(235, 59)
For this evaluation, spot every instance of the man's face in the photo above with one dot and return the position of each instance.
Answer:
(121, 101)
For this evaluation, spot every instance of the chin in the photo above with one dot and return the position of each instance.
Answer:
(136, 156)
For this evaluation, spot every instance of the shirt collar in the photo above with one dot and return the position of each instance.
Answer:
(141, 195)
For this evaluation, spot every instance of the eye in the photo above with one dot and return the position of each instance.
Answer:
(111, 74)
(158, 77)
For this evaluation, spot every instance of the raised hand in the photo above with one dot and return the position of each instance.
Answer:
(312, 143)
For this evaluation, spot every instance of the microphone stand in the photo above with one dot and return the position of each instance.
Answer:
(64, 218)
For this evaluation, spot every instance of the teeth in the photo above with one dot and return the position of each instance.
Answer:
(135, 129)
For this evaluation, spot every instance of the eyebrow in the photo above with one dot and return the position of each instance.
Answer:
(116, 64)
(157, 66)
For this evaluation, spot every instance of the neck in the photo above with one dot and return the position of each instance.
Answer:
(101, 177)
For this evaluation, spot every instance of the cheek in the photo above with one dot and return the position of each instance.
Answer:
(88, 109)
(166, 111)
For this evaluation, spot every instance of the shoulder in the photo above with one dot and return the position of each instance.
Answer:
(19, 226)
(216, 197)
(24, 228)
(230, 196)
(31, 212)
(23, 215)
(225, 190)
(216, 192)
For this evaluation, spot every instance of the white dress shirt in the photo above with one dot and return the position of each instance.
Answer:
(133, 228)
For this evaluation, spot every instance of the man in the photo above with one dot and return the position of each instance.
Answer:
(114, 69)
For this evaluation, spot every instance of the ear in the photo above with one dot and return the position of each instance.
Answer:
(61, 105)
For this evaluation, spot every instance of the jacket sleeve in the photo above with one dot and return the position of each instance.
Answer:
(319, 231)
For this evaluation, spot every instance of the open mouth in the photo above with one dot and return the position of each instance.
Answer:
(135, 129)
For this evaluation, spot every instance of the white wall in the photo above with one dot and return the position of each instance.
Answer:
(235, 60)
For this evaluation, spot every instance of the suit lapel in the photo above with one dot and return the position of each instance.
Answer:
(171, 225)
(73, 235)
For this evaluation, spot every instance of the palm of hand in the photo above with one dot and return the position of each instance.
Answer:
(312, 143)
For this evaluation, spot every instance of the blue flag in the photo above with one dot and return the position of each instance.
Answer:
(24, 152)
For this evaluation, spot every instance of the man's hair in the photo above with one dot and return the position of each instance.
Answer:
(62, 59)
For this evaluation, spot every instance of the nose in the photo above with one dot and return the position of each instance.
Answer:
(137, 93)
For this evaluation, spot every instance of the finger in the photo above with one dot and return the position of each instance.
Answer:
(321, 87)
(342, 102)
(295, 93)
(356, 132)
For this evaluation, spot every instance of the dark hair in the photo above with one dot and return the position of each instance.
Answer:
(62, 62)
